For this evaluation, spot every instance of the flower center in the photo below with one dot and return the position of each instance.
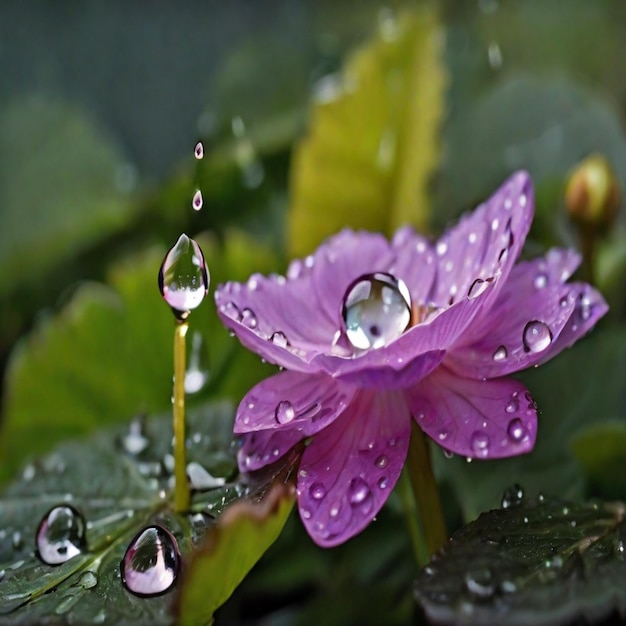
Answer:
(376, 310)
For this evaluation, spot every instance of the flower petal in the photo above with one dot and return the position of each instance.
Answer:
(262, 447)
(485, 243)
(479, 419)
(525, 322)
(292, 400)
(348, 471)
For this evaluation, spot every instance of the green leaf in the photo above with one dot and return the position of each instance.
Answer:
(63, 186)
(233, 546)
(108, 353)
(372, 143)
(119, 481)
(601, 450)
(571, 396)
(536, 562)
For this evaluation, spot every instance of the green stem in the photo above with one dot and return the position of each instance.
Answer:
(181, 485)
(420, 494)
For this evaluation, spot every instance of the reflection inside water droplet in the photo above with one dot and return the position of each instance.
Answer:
(183, 277)
(536, 336)
(376, 310)
(151, 563)
(60, 535)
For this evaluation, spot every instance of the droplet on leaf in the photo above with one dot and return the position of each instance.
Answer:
(60, 535)
(151, 563)
(183, 277)
(376, 310)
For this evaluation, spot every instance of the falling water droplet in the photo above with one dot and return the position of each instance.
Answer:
(151, 563)
(198, 151)
(376, 310)
(317, 491)
(197, 201)
(500, 354)
(60, 535)
(183, 277)
(536, 336)
(512, 496)
(516, 430)
(284, 412)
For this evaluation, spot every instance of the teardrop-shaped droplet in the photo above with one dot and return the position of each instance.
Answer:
(500, 354)
(536, 336)
(198, 151)
(183, 277)
(197, 201)
(512, 496)
(151, 562)
(284, 412)
(60, 535)
(376, 310)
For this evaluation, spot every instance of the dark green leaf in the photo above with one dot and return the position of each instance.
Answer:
(536, 562)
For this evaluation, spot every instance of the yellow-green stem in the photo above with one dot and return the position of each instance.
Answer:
(429, 530)
(181, 486)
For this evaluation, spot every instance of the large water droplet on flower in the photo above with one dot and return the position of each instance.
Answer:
(61, 535)
(536, 336)
(478, 287)
(284, 412)
(376, 310)
(151, 562)
(183, 277)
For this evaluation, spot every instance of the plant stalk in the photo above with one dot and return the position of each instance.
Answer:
(181, 484)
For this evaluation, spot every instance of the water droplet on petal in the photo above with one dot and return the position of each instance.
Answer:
(230, 309)
(198, 151)
(317, 491)
(279, 339)
(478, 287)
(382, 461)
(248, 318)
(500, 354)
(197, 201)
(480, 583)
(382, 482)
(512, 496)
(376, 310)
(516, 430)
(540, 281)
(284, 412)
(480, 444)
(512, 406)
(151, 563)
(183, 277)
(358, 491)
(536, 336)
(60, 535)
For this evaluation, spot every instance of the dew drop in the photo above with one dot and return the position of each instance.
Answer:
(317, 491)
(382, 482)
(376, 310)
(183, 277)
(500, 354)
(536, 336)
(151, 563)
(512, 496)
(284, 412)
(480, 583)
(516, 430)
(279, 339)
(381, 462)
(248, 318)
(60, 535)
(198, 151)
(135, 441)
(480, 444)
(540, 281)
(358, 491)
(512, 406)
(478, 287)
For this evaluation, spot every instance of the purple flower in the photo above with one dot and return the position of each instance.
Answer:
(372, 334)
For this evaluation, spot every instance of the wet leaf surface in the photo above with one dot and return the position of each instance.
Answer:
(537, 562)
(372, 140)
(119, 482)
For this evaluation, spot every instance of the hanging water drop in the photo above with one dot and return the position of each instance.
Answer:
(284, 412)
(198, 151)
(536, 336)
(512, 496)
(197, 201)
(151, 562)
(60, 535)
(183, 277)
(376, 310)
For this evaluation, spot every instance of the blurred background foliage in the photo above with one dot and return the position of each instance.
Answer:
(313, 115)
